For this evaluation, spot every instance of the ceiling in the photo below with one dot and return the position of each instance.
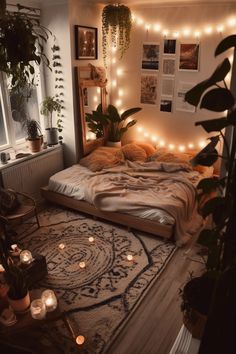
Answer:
(161, 2)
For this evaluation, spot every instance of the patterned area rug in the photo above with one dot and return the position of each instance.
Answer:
(100, 297)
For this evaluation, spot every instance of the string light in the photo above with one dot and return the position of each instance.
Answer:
(186, 32)
(171, 146)
(139, 21)
(120, 92)
(202, 144)
(208, 30)
(119, 72)
(165, 33)
(113, 60)
(140, 129)
(219, 28)
(231, 21)
(190, 146)
(162, 143)
(197, 34)
(175, 34)
(157, 27)
(114, 83)
(118, 103)
(147, 27)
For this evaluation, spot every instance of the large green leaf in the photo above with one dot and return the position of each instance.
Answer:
(217, 100)
(232, 117)
(113, 113)
(214, 125)
(207, 238)
(226, 44)
(210, 184)
(130, 112)
(210, 206)
(213, 257)
(194, 95)
(208, 155)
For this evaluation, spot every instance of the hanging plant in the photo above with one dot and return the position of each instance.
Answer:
(116, 21)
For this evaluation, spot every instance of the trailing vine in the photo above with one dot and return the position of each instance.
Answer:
(116, 20)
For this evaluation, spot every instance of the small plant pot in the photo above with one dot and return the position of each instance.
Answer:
(35, 145)
(113, 143)
(52, 136)
(20, 305)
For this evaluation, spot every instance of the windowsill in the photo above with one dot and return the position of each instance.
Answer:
(13, 162)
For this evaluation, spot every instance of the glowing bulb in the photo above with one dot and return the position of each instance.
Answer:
(95, 99)
(98, 90)
(232, 21)
(139, 21)
(181, 148)
(130, 257)
(82, 265)
(120, 92)
(197, 34)
(202, 143)
(165, 33)
(146, 135)
(119, 71)
(220, 28)
(113, 60)
(91, 239)
(154, 138)
(176, 34)
(113, 49)
(80, 340)
(147, 27)
(133, 17)
(61, 246)
(208, 30)
(186, 32)
(162, 143)
(114, 83)
(118, 103)
(171, 146)
(140, 129)
(190, 146)
(157, 27)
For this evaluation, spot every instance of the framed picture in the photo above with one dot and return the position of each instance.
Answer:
(181, 104)
(85, 42)
(168, 67)
(169, 46)
(189, 57)
(150, 56)
(167, 88)
(166, 105)
(148, 89)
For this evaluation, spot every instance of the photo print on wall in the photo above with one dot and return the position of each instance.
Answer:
(167, 87)
(168, 67)
(166, 105)
(169, 46)
(148, 89)
(181, 104)
(150, 56)
(85, 42)
(189, 56)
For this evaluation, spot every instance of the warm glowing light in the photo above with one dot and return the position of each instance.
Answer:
(181, 148)
(91, 136)
(61, 246)
(231, 21)
(165, 32)
(186, 32)
(147, 27)
(208, 30)
(120, 92)
(197, 34)
(202, 143)
(82, 265)
(190, 146)
(162, 143)
(146, 135)
(139, 21)
(130, 257)
(80, 340)
(113, 60)
(157, 27)
(119, 71)
(133, 17)
(113, 49)
(154, 138)
(98, 90)
(171, 146)
(231, 58)
(140, 129)
(128, 120)
(114, 83)
(220, 28)
(95, 98)
(118, 103)
(91, 239)
(228, 77)
(176, 34)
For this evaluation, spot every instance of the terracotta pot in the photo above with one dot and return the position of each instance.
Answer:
(196, 325)
(113, 143)
(21, 305)
(35, 145)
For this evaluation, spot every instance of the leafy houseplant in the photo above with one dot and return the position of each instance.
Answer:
(214, 95)
(118, 20)
(97, 121)
(34, 135)
(21, 45)
(48, 106)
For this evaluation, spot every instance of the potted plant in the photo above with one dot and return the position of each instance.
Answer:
(213, 94)
(48, 106)
(34, 135)
(21, 45)
(118, 125)
(97, 121)
(117, 20)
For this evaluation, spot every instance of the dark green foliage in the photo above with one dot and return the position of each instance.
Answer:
(48, 106)
(17, 282)
(33, 129)
(96, 121)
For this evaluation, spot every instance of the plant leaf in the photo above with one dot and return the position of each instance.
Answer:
(208, 185)
(226, 44)
(213, 125)
(232, 117)
(217, 100)
(207, 238)
(130, 112)
(113, 113)
(210, 206)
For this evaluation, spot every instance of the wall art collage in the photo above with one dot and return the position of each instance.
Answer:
(159, 73)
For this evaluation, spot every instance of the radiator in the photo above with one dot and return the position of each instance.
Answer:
(29, 175)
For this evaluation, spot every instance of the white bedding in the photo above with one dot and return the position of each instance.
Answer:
(163, 192)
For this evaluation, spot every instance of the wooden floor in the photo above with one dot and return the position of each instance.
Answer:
(156, 322)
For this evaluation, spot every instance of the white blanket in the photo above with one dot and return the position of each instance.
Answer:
(138, 186)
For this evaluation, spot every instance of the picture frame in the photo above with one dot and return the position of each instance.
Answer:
(148, 93)
(150, 56)
(189, 57)
(85, 43)
(169, 47)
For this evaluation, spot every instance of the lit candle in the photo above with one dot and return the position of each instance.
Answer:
(91, 239)
(130, 257)
(80, 340)
(82, 265)
(38, 309)
(49, 299)
(26, 257)
(61, 246)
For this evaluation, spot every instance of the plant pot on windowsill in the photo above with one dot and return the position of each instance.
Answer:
(52, 136)
(35, 145)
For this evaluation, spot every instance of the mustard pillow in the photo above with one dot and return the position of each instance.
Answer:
(102, 157)
(148, 148)
(134, 152)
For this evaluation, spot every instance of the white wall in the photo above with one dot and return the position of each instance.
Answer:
(176, 127)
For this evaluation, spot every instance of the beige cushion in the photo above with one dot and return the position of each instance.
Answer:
(134, 152)
(102, 157)
(148, 148)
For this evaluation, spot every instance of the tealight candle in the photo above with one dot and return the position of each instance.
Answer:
(61, 246)
(80, 340)
(130, 257)
(14, 247)
(82, 265)
(26, 257)
(38, 309)
(91, 239)
(49, 299)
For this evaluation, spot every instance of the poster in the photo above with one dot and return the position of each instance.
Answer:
(189, 57)
(148, 89)
(150, 56)
(168, 67)
(167, 88)
(181, 104)
(166, 105)
(169, 46)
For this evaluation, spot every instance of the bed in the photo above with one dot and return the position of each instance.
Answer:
(155, 193)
